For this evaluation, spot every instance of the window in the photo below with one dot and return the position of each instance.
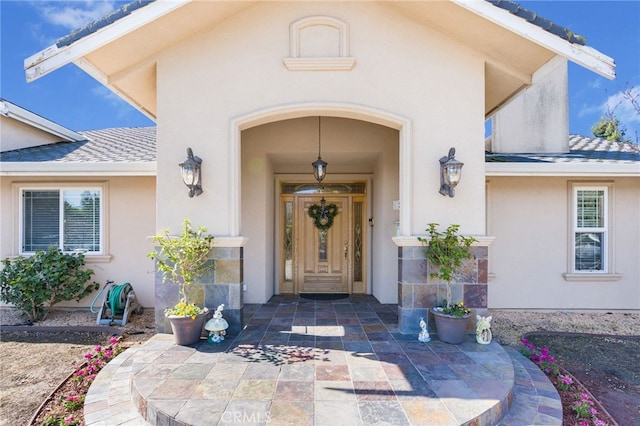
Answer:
(68, 218)
(590, 229)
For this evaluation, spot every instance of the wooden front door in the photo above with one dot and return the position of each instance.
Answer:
(323, 261)
(323, 255)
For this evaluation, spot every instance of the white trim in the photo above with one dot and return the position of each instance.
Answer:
(34, 168)
(583, 55)
(11, 110)
(321, 20)
(593, 277)
(343, 110)
(582, 169)
(230, 241)
(412, 240)
(605, 229)
(296, 62)
(52, 58)
(319, 64)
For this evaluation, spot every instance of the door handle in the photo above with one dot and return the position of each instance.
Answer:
(346, 249)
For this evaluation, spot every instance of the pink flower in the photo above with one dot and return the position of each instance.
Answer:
(113, 340)
(98, 348)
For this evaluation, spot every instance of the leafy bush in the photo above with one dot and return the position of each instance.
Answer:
(447, 250)
(183, 260)
(34, 284)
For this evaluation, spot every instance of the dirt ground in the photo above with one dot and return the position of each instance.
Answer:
(609, 366)
(33, 364)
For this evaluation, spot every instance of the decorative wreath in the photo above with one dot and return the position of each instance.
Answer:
(323, 218)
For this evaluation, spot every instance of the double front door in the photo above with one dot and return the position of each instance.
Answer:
(324, 252)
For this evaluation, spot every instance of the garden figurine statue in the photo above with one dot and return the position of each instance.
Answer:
(217, 326)
(483, 330)
(424, 334)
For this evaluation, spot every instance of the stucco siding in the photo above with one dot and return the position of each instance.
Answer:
(129, 203)
(16, 135)
(437, 85)
(530, 218)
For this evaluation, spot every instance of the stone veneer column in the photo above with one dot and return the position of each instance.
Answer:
(417, 292)
(222, 286)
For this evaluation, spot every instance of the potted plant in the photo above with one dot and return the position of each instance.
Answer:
(182, 260)
(446, 251)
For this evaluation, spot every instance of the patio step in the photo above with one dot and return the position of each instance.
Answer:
(115, 398)
(535, 400)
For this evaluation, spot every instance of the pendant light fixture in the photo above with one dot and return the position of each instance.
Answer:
(319, 166)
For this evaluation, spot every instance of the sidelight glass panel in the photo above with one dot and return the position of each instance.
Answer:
(357, 241)
(288, 241)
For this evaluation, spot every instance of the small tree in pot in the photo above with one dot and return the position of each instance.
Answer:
(183, 260)
(446, 251)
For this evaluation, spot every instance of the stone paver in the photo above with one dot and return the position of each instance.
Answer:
(337, 362)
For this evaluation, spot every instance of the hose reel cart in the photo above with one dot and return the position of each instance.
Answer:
(118, 304)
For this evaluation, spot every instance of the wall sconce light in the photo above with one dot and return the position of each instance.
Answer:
(191, 173)
(319, 166)
(450, 171)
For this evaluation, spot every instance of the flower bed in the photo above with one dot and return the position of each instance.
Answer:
(579, 407)
(65, 406)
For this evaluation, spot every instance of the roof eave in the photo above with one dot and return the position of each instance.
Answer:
(583, 55)
(588, 169)
(11, 110)
(54, 57)
(87, 169)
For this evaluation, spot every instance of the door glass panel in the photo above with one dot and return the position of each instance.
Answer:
(325, 188)
(288, 241)
(322, 245)
(357, 241)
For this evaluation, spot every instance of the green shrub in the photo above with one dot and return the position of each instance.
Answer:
(34, 284)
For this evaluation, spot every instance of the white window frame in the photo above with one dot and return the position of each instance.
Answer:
(604, 274)
(93, 256)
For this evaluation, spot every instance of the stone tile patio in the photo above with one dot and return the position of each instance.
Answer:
(306, 362)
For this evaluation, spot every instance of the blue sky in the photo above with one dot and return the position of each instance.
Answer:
(71, 98)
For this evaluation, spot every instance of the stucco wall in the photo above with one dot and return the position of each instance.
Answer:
(16, 135)
(210, 85)
(130, 206)
(213, 78)
(530, 218)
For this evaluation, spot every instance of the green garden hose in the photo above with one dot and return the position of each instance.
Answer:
(116, 298)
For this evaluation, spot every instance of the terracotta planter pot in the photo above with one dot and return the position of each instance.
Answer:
(450, 329)
(187, 331)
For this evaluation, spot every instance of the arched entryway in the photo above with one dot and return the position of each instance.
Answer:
(277, 151)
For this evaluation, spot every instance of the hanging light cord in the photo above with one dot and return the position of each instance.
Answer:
(319, 137)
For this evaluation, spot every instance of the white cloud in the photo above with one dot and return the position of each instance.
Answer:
(622, 107)
(74, 14)
(595, 84)
(588, 110)
(121, 108)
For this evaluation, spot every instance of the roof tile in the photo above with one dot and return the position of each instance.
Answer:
(119, 145)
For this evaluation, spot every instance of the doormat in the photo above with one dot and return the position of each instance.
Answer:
(324, 296)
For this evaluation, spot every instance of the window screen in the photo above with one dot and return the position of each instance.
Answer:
(67, 219)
